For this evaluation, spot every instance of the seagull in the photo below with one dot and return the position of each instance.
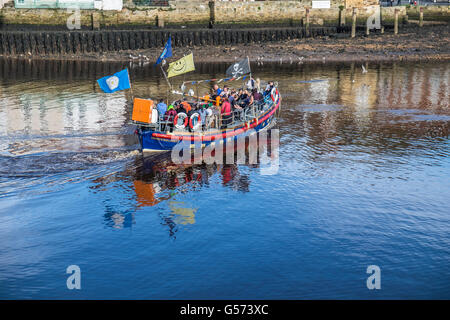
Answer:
(364, 70)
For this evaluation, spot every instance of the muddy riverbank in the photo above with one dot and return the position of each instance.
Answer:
(411, 44)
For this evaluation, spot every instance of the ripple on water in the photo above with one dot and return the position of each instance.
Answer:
(45, 172)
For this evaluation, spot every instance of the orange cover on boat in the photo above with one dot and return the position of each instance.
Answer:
(142, 110)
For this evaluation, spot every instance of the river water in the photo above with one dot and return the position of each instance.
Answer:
(363, 179)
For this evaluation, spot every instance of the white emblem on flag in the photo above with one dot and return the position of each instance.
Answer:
(112, 82)
(237, 70)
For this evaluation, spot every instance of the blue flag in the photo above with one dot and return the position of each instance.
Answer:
(116, 82)
(167, 52)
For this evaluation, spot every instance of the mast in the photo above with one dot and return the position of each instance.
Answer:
(165, 76)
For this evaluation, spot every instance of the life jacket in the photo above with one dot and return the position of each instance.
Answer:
(218, 101)
(226, 108)
(206, 98)
(186, 106)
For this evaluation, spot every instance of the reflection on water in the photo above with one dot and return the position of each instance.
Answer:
(363, 179)
(157, 179)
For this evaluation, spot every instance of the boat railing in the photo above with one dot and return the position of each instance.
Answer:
(215, 120)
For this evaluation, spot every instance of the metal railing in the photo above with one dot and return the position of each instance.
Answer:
(214, 121)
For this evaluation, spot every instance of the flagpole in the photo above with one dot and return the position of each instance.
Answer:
(248, 61)
(165, 76)
(131, 87)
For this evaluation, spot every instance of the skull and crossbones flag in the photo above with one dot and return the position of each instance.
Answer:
(239, 68)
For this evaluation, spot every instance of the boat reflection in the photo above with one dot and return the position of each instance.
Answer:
(154, 184)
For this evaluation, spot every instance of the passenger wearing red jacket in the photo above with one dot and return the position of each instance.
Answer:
(169, 116)
(226, 112)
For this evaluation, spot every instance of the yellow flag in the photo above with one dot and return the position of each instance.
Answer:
(185, 64)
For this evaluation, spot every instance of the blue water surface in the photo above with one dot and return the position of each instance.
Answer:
(356, 186)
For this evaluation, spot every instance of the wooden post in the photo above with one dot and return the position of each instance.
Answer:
(367, 30)
(354, 23)
(95, 21)
(307, 22)
(341, 16)
(382, 29)
(396, 21)
(212, 13)
(421, 17)
(160, 21)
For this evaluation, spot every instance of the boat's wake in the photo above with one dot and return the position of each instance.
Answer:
(45, 172)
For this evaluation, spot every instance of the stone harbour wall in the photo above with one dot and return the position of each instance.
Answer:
(197, 12)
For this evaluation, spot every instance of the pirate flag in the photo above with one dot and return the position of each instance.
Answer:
(239, 68)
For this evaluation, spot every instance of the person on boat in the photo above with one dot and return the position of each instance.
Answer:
(190, 113)
(178, 107)
(244, 99)
(225, 92)
(186, 106)
(206, 97)
(269, 88)
(250, 99)
(218, 100)
(251, 83)
(231, 98)
(203, 114)
(237, 109)
(169, 116)
(257, 95)
(162, 108)
(217, 90)
(225, 112)
(258, 84)
(234, 101)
